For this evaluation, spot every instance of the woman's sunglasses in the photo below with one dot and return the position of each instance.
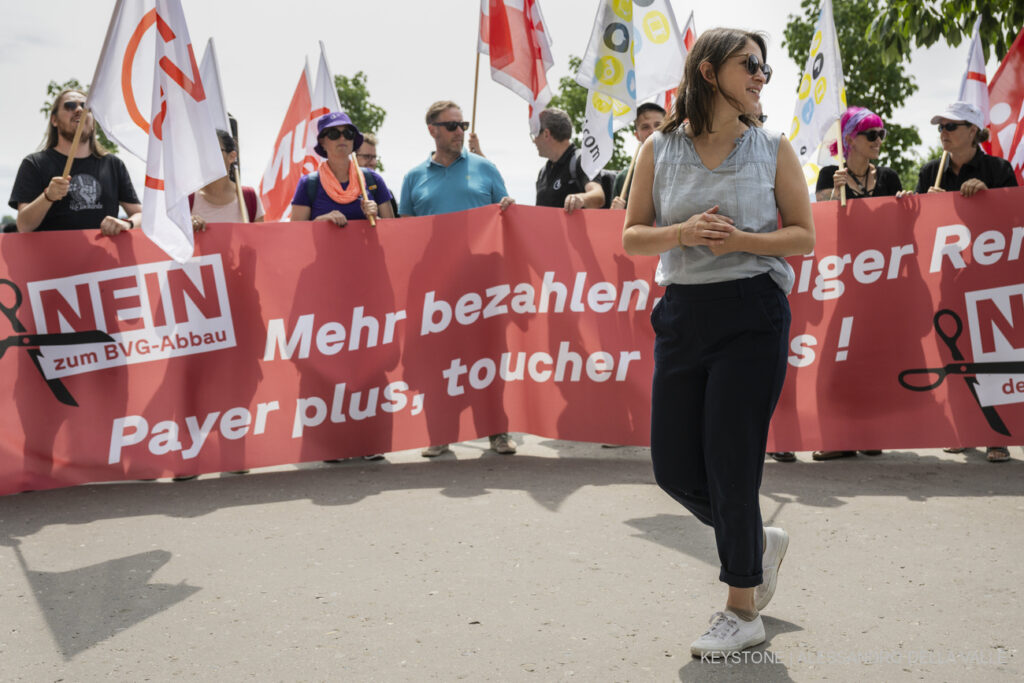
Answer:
(450, 126)
(952, 126)
(873, 134)
(335, 133)
(754, 65)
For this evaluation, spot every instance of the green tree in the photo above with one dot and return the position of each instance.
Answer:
(900, 25)
(572, 99)
(870, 82)
(53, 88)
(355, 101)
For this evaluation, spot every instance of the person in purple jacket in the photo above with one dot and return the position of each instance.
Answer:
(332, 192)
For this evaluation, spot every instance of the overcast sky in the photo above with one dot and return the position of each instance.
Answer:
(414, 52)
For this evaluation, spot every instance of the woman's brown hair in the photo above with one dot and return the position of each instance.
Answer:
(695, 95)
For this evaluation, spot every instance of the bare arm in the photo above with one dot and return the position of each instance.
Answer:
(593, 197)
(385, 211)
(31, 214)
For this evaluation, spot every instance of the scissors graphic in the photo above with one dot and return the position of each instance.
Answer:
(967, 370)
(32, 342)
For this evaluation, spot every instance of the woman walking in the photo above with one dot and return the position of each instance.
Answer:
(708, 189)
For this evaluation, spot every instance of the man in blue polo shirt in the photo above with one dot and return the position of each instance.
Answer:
(452, 179)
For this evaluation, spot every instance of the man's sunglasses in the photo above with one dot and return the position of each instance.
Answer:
(873, 134)
(952, 126)
(73, 105)
(754, 65)
(335, 133)
(450, 126)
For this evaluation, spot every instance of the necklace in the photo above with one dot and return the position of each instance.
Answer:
(862, 180)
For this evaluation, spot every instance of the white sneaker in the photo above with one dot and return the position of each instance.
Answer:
(728, 633)
(434, 451)
(776, 543)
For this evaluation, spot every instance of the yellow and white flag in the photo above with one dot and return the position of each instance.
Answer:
(821, 97)
(635, 52)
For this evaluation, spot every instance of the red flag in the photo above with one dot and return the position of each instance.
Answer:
(285, 168)
(512, 33)
(1006, 99)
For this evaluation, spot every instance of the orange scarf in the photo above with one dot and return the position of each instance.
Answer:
(333, 188)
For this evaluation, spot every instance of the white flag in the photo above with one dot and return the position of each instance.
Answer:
(121, 88)
(821, 97)
(974, 86)
(209, 68)
(635, 52)
(183, 153)
(324, 99)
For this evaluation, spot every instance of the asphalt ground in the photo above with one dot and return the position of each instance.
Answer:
(564, 561)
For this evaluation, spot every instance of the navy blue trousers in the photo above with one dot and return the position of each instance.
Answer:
(719, 363)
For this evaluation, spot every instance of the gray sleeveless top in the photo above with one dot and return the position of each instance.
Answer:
(744, 188)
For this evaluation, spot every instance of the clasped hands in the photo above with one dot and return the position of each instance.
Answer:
(708, 229)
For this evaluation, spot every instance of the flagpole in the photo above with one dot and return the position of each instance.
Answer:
(362, 186)
(842, 163)
(629, 173)
(74, 143)
(238, 191)
(938, 176)
(476, 83)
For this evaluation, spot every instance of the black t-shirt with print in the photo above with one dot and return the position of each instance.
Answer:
(98, 186)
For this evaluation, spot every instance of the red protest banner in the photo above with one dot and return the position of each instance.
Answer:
(302, 341)
(922, 283)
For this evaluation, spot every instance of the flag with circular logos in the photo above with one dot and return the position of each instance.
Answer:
(636, 51)
(821, 96)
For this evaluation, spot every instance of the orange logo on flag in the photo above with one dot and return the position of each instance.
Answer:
(193, 86)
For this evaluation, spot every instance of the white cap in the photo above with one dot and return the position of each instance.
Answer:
(961, 111)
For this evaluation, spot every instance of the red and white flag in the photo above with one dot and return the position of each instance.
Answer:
(513, 34)
(1006, 96)
(182, 150)
(285, 168)
(689, 38)
(974, 86)
(323, 100)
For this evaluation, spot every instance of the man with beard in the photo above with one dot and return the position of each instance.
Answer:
(90, 195)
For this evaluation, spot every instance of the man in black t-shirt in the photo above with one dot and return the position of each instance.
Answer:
(562, 183)
(87, 198)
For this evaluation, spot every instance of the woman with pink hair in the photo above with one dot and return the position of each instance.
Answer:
(862, 134)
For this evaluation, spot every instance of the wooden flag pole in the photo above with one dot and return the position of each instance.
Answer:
(238, 190)
(842, 163)
(476, 85)
(74, 143)
(942, 167)
(629, 174)
(362, 186)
